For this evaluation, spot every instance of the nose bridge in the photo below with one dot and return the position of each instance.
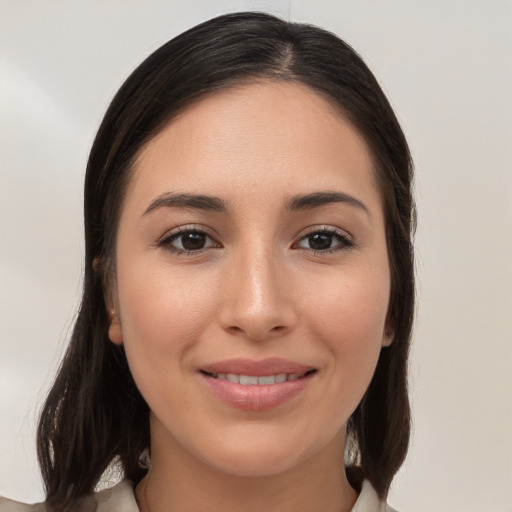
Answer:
(260, 279)
(257, 301)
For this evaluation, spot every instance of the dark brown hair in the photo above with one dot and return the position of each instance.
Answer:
(94, 413)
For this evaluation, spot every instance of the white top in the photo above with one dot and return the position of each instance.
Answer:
(121, 498)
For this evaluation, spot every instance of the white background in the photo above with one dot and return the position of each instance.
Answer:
(447, 68)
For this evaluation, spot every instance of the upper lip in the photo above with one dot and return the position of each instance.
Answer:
(258, 368)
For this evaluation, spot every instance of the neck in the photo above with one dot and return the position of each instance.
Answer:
(180, 482)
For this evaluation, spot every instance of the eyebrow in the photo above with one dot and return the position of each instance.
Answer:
(216, 204)
(318, 199)
(196, 201)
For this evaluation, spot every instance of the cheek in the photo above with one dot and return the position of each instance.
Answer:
(155, 296)
(161, 315)
(350, 304)
(348, 315)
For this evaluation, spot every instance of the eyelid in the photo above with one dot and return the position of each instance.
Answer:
(324, 228)
(165, 240)
(348, 239)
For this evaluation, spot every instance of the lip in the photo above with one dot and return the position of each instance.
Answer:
(261, 368)
(256, 397)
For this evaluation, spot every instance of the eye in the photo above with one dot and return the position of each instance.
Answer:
(188, 241)
(325, 240)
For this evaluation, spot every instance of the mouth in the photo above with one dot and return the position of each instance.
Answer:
(259, 380)
(257, 385)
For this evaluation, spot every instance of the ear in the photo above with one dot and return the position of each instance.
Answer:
(388, 336)
(115, 333)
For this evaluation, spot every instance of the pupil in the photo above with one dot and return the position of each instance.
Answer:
(320, 241)
(193, 241)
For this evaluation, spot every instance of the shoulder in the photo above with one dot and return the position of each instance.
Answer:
(7, 505)
(368, 501)
(119, 498)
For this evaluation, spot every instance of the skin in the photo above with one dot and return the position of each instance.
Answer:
(256, 289)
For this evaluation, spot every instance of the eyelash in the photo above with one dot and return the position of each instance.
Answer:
(168, 239)
(344, 240)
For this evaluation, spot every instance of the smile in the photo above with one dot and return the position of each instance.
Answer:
(254, 380)
(256, 386)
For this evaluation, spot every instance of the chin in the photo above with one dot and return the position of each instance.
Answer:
(262, 456)
(255, 464)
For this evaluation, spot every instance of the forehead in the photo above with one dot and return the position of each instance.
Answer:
(266, 136)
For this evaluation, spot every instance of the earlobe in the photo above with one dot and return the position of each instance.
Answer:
(115, 332)
(388, 337)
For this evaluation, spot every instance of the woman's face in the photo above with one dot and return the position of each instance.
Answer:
(252, 279)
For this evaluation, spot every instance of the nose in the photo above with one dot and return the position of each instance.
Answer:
(257, 301)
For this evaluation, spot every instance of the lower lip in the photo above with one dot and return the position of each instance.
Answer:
(256, 398)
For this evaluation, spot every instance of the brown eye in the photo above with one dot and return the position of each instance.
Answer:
(188, 241)
(325, 241)
(320, 241)
(193, 241)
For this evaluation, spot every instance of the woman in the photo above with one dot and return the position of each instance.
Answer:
(248, 295)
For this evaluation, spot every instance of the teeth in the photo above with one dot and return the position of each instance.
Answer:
(248, 380)
(253, 380)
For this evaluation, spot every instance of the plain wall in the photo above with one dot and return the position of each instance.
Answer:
(447, 69)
